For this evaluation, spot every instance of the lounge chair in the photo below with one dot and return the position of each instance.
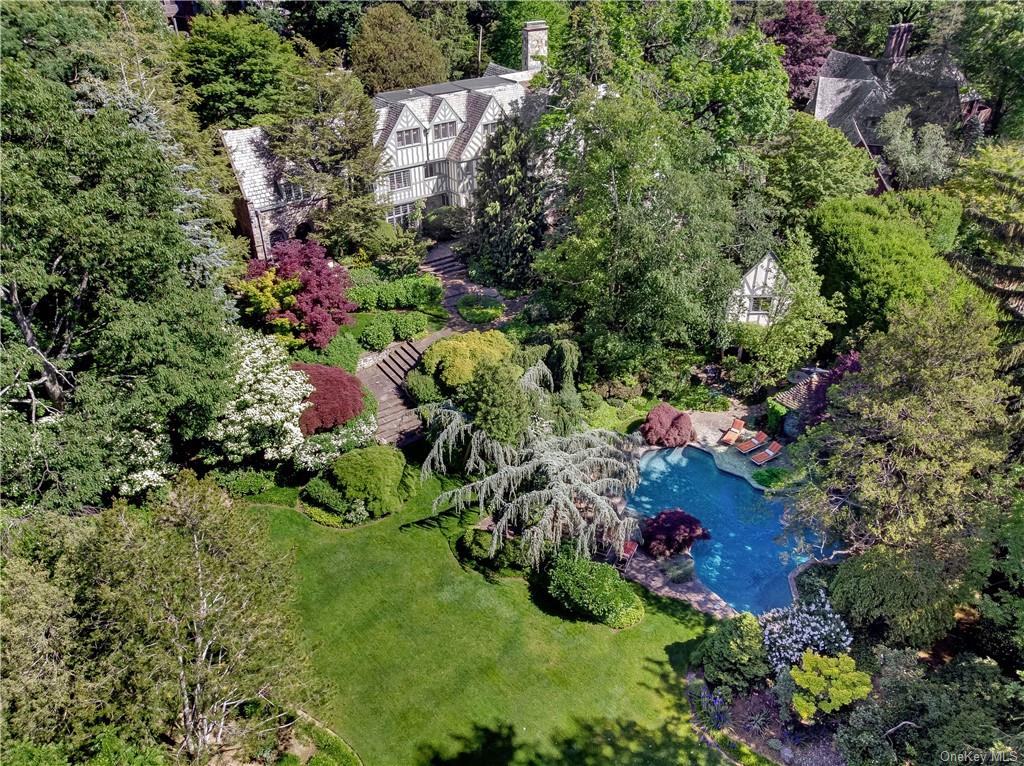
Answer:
(730, 436)
(752, 444)
(628, 551)
(769, 454)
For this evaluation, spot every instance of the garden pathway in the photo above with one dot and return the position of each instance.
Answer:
(645, 570)
(397, 421)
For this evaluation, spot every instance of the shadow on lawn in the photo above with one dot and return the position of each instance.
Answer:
(594, 743)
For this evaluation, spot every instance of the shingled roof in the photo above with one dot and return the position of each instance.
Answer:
(853, 92)
(254, 164)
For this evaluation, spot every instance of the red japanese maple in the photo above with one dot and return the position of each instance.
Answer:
(801, 31)
(666, 426)
(320, 302)
(671, 532)
(336, 399)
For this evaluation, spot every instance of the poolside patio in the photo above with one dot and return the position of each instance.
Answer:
(709, 427)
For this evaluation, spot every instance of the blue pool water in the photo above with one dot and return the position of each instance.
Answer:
(742, 562)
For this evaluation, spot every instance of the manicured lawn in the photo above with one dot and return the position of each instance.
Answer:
(427, 660)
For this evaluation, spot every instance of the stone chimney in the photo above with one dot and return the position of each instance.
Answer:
(898, 42)
(535, 44)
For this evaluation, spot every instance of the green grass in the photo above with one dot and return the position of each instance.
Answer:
(431, 663)
(773, 477)
(479, 309)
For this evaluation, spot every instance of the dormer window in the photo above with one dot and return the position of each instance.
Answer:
(445, 130)
(290, 192)
(409, 137)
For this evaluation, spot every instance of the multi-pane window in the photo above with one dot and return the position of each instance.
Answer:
(435, 169)
(289, 192)
(399, 179)
(409, 137)
(761, 304)
(489, 128)
(401, 215)
(444, 130)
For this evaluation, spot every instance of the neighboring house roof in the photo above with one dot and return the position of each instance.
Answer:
(254, 164)
(497, 69)
(854, 92)
(796, 397)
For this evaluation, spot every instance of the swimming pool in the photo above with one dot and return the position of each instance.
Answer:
(742, 561)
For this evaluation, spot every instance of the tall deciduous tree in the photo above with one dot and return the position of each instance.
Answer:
(238, 68)
(883, 467)
(107, 349)
(801, 32)
(875, 256)
(639, 261)
(811, 162)
(391, 51)
(168, 623)
(920, 158)
(325, 142)
(992, 51)
(505, 39)
(508, 215)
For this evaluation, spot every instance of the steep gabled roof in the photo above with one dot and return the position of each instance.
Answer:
(254, 164)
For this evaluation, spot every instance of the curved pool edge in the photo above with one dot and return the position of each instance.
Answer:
(699, 594)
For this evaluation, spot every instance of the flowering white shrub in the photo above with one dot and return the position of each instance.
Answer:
(811, 624)
(320, 450)
(263, 418)
(144, 458)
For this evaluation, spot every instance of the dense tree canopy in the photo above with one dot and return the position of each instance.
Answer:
(639, 262)
(238, 68)
(508, 215)
(107, 345)
(811, 162)
(881, 466)
(391, 51)
(167, 622)
(874, 256)
(325, 142)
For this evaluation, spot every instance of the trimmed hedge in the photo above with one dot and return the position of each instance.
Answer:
(408, 292)
(410, 324)
(378, 333)
(594, 590)
(244, 481)
(373, 475)
(343, 351)
(479, 309)
(422, 387)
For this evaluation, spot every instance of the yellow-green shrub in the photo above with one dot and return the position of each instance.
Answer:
(454, 360)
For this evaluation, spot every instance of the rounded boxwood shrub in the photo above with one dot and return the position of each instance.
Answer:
(378, 333)
(733, 654)
(373, 475)
(422, 387)
(410, 324)
(445, 223)
(594, 590)
(453, 360)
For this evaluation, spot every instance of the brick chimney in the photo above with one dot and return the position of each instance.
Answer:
(898, 42)
(535, 44)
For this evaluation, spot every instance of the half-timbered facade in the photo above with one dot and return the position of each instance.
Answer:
(762, 296)
(430, 139)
